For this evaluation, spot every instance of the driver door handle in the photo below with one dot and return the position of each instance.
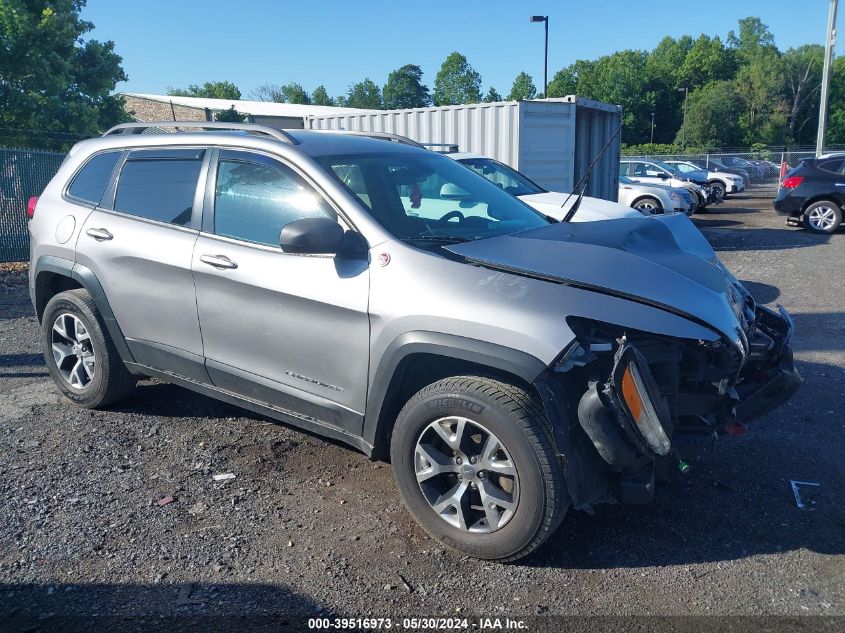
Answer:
(220, 262)
(101, 235)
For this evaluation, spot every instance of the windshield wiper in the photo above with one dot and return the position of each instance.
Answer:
(585, 179)
(440, 239)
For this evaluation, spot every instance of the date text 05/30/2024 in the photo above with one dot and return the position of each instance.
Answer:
(418, 624)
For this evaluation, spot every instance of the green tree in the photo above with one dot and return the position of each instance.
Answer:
(52, 78)
(492, 95)
(364, 94)
(712, 116)
(753, 38)
(404, 89)
(835, 132)
(708, 60)
(456, 82)
(523, 88)
(288, 93)
(230, 116)
(321, 97)
(209, 90)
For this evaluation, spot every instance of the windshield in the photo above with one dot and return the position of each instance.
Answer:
(426, 197)
(502, 176)
(670, 168)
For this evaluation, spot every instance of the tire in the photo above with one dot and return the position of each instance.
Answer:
(822, 216)
(494, 413)
(80, 354)
(648, 206)
(719, 189)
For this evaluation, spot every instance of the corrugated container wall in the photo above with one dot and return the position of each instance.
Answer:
(552, 141)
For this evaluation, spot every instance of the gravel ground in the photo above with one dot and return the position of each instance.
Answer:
(308, 527)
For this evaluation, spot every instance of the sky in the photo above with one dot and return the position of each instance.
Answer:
(335, 43)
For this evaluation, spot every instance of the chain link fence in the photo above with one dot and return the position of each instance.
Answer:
(23, 174)
(761, 169)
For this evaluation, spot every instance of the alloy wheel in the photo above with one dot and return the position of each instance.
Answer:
(647, 207)
(466, 474)
(73, 351)
(822, 218)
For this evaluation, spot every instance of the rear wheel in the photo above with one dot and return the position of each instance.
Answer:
(80, 354)
(648, 206)
(823, 216)
(475, 465)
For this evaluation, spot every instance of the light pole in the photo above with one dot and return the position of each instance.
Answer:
(652, 128)
(828, 54)
(545, 20)
(685, 90)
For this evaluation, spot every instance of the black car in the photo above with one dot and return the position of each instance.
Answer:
(814, 193)
(755, 172)
(714, 165)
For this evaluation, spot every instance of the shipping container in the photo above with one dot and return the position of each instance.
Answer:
(552, 141)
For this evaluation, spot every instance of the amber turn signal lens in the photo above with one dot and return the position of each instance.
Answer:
(631, 395)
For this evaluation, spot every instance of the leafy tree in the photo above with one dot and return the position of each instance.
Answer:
(759, 84)
(492, 96)
(209, 90)
(456, 82)
(230, 116)
(835, 132)
(53, 79)
(321, 97)
(523, 88)
(753, 38)
(708, 60)
(666, 60)
(288, 93)
(712, 116)
(404, 89)
(364, 94)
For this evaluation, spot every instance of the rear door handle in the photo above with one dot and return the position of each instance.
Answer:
(101, 235)
(218, 261)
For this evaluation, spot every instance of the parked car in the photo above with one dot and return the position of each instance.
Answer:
(721, 183)
(652, 199)
(659, 173)
(814, 194)
(550, 203)
(713, 164)
(755, 172)
(385, 296)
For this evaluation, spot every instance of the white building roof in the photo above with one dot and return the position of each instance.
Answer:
(255, 108)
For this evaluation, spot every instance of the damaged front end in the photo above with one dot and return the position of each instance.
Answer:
(632, 406)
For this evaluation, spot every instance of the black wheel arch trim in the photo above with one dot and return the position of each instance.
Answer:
(88, 280)
(497, 357)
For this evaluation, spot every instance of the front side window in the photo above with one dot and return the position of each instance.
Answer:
(426, 197)
(159, 185)
(252, 202)
(502, 176)
(90, 182)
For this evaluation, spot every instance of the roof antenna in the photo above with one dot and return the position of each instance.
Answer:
(585, 180)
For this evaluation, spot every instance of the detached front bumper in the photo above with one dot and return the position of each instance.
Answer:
(770, 377)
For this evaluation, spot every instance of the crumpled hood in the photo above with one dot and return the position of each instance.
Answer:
(661, 260)
(590, 209)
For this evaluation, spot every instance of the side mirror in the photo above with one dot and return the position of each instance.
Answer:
(662, 175)
(311, 236)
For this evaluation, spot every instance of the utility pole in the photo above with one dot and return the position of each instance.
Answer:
(545, 20)
(828, 56)
(652, 128)
(685, 90)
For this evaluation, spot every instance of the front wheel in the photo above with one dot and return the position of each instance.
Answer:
(822, 217)
(475, 464)
(648, 206)
(718, 189)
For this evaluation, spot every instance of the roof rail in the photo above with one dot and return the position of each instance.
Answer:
(445, 148)
(140, 127)
(387, 136)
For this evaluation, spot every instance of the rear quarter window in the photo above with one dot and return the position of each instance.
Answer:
(90, 182)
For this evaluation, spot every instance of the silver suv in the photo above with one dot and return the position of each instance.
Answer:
(381, 294)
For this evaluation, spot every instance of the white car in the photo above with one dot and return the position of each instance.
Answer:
(729, 183)
(654, 199)
(546, 202)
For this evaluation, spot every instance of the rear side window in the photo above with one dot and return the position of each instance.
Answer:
(159, 185)
(91, 181)
(834, 166)
(253, 202)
